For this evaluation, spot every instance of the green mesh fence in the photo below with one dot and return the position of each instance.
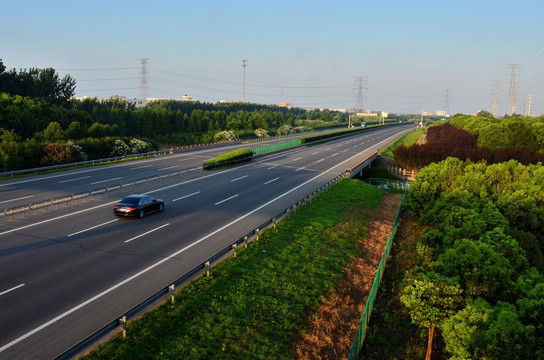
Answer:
(270, 148)
(357, 345)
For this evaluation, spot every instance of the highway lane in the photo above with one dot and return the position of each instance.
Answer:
(29, 190)
(24, 191)
(57, 273)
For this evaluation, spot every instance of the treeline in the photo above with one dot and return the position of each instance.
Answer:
(476, 275)
(508, 132)
(36, 109)
(37, 83)
(519, 141)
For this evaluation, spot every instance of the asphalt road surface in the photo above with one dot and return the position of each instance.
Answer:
(69, 271)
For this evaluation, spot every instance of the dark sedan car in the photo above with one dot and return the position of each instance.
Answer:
(138, 205)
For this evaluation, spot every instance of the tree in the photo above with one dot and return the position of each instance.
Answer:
(464, 332)
(75, 130)
(53, 132)
(481, 270)
(430, 299)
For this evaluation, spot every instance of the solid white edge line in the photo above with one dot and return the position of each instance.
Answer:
(148, 232)
(92, 227)
(138, 274)
(13, 288)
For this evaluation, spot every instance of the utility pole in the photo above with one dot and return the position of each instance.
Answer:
(512, 91)
(244, 64)
(496, 103)
(144, 86)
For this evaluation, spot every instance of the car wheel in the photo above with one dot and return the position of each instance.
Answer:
(141, 214)
(161, 207)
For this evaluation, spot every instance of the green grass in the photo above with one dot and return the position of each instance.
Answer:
(407, 140)
(254, 306)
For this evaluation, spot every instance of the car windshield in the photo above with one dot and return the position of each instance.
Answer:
(131, 200)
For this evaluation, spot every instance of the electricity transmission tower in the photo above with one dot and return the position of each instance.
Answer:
(360, 93)
(244, 64)
(447, 102)
(496, 101)
(529, 106)
(512, 92)
(144, 85)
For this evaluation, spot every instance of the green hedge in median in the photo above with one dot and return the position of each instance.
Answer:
(229, 158)
(254, 306)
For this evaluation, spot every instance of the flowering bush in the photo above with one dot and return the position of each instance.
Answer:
(56, 154)
(120, 148)
(224, 136)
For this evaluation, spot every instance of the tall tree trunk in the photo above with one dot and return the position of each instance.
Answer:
(430, 343)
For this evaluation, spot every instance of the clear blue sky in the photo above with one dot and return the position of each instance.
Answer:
(413, 55)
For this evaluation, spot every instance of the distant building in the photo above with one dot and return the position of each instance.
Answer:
(442, 113)
(372, 114)
(286, 104)
(230, 101)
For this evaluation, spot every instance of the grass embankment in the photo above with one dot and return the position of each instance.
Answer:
(407, 140)
(255, 306)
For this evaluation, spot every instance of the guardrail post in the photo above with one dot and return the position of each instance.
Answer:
(274, 221)
(207, 266)
(257, 231)
(23, 211)
(234, 246)
(35, 208)
(245, 241)
(123, 323)
(172, 289)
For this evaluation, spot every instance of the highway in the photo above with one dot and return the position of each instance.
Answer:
(67, 272)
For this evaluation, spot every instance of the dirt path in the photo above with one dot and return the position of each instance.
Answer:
(331, 330)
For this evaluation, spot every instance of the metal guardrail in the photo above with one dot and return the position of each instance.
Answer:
(172, 150)
(202, 268)
(66, 199)
(361, 165)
